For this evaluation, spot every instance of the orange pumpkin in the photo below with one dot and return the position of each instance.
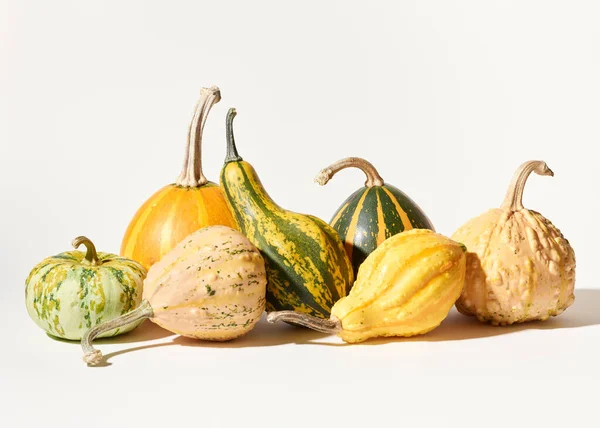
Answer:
(179, 209)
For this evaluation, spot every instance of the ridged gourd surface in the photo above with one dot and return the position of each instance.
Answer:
(371, 215)
(170, 215)
(211, 286)
(66, 297)
(405, 287)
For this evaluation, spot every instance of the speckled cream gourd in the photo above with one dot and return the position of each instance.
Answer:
(405, 287)
(211, 286)
(519, 266)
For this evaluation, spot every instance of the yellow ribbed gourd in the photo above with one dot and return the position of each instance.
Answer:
(405, 287)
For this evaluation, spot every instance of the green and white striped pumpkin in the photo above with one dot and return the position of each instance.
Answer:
(373, 213)
(71, 292)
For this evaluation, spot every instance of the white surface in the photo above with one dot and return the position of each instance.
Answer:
(446, 98)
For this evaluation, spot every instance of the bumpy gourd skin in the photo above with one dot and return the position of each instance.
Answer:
(405, 287)
(519, 267)
(211, 286)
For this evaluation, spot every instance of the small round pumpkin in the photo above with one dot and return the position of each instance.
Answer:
(519, 266)
(73, 291)
(179, 209)
(373, 213)
(211, 286)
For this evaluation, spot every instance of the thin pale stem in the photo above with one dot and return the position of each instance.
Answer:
(514, 196)
(91, 256)
(232, 154)
(191, 173)
(330, 326)
(93, 356)
(373, 177)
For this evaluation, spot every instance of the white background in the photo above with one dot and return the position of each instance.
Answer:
(446, 98)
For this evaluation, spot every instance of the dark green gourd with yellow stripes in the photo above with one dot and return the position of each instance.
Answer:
(373, 213)
(307, 267)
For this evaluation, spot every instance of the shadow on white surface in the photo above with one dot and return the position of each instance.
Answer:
(145, 332)
(584, 312)
(262, 335)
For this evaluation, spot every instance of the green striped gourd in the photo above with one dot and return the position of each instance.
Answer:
(307, 267)
(73, 291)
(373, 213)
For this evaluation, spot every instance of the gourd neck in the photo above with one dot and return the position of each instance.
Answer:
(329, 326)
(232, 154)
(191, 173)
(93, 356)
(91, 256)
(373, 177)
(514, 196)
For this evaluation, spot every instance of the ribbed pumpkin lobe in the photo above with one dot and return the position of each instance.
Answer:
(372, 213)
(72, 291)
(178, 209)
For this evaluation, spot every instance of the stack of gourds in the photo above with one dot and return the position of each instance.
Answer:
(205, 260)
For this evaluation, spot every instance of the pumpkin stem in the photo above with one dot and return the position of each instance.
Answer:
(373, 177)
(91, 256)
(232, 154)
(191, 173)
(330, 326)
(93, 356)
(514, 196)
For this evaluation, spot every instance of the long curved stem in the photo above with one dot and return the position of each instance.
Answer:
(91, 256)
(330, 326)
(191, 173)
(513, 200)
(373, 177)
(93, 356)
(232, 154)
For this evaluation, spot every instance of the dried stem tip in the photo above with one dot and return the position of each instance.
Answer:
(373, 177)
(514, 196)
(330, 326)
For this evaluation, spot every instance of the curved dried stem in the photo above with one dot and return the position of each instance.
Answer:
(93, 356)
(232, 153)
(191, 173)
(514, 196)
(373, 177)
(91, 256)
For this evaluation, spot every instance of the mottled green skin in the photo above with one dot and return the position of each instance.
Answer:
(307, 267)
(66, 295)
(377, 204)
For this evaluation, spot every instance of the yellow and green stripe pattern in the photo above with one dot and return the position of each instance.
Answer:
(66, 296)
(307, 267)
(371, 215)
